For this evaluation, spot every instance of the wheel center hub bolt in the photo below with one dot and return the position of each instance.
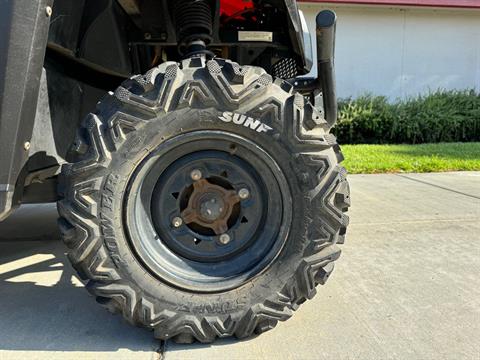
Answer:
(177, 222)
(211, 207)
(243, 193)
(196, 175)
(224, 239)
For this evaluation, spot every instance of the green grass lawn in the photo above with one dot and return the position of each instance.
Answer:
(372, 159)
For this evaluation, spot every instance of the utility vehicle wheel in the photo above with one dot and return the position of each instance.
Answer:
(204, 200)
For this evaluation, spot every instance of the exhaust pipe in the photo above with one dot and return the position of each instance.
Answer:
(326, 22)
(326, 27)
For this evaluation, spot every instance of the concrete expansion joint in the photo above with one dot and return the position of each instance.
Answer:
(438, 186)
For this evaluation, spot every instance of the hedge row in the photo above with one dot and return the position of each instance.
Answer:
(443, 116)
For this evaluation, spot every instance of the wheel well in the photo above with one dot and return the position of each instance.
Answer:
(95, 45)
(128, 37)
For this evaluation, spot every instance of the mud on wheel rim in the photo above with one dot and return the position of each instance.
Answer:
(207, 211)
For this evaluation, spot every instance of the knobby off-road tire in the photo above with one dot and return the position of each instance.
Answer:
(146, 112)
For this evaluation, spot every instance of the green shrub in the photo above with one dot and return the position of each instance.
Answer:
(443, 116)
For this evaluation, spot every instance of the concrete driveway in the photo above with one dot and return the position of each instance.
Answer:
(406, 287)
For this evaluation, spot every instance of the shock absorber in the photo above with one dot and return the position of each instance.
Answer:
(194, 26)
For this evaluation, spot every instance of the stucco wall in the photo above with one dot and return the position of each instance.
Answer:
(402, 52)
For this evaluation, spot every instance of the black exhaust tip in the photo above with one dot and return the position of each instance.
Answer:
(326, 28)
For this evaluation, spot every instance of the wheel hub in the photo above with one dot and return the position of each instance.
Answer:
(210, 206)
(208, 214)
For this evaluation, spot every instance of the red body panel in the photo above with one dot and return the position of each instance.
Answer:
(231, 7)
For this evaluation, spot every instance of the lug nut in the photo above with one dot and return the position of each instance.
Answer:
(224, 239)
(243, 193)
(177, 222)
(196, 175)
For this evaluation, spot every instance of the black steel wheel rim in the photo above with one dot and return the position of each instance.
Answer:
(193, 256)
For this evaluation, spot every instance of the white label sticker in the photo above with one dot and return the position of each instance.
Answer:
(266, 36)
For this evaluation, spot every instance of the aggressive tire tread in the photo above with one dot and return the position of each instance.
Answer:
(228, 86)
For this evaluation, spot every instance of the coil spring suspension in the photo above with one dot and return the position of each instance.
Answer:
(194, 25)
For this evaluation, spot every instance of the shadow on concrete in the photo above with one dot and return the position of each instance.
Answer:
(172, 347)
(31, 222)
(44, 307)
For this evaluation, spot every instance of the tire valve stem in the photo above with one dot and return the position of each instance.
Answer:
(224, 239)
(177, 222)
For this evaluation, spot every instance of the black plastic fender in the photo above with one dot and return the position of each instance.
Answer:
(23, 37)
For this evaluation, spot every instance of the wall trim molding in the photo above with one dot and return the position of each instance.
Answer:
(465, 4)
